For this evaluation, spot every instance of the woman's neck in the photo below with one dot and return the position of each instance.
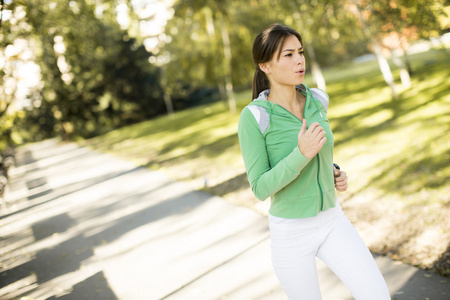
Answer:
(283, 95)
(289, 98)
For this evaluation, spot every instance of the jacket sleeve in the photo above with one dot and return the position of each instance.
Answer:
(264, 180)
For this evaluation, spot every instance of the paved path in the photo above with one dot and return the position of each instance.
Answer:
(83, 225)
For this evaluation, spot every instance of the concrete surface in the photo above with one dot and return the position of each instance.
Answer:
(78, 224)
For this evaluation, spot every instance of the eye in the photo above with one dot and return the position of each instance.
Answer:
(301, 52)
(289, 54)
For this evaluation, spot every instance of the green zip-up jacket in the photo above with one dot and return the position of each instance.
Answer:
(268, 135)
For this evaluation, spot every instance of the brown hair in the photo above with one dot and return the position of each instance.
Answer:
(264, 47)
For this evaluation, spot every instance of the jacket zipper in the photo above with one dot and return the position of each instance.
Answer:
(318, 182)
(318, 159)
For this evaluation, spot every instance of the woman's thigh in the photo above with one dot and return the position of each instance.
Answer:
(293, 258)
(347, 255)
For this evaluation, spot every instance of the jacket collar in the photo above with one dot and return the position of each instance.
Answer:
(309, 108)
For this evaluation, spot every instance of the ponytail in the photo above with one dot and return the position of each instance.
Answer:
(260, 83)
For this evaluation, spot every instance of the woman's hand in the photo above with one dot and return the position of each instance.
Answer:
(312, 140)
(340, 180)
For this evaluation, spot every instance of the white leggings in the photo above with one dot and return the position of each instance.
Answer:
(331, 237)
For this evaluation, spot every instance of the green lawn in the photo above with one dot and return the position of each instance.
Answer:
(396, 152)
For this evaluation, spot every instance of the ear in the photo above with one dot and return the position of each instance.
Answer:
(264, 67)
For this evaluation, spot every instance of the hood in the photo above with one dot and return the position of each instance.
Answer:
(301, 87)
(272, 108)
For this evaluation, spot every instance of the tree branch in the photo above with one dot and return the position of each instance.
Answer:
(1, 12)
(6, 109)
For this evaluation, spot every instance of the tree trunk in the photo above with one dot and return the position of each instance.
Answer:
(223, 94)
(209, 23)
(168, 102)
(382, 61)
(407, 63)
(315, 67)
(404, 74)
(167, 98)
(385, 69)
(228, 67)
(210, 28)
(48, 45)
(406, 60)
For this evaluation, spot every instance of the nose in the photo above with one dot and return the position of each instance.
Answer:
(300, 59)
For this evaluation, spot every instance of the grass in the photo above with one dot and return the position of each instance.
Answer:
(396, 152)
(396, 146)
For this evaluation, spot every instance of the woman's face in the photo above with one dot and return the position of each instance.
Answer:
(289, 69)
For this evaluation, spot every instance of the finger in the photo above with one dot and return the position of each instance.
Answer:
(341, 176)
(341, 183)
(340, 179)
(342, 188)
(336, 171)
(321, 134)
(312, 127)
(318, 130)
(303, 128)
(322, 142)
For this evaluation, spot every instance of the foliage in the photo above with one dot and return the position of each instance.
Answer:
(9, 81)
(395, 24)
(394, 152)
(331, 26)
(95, 77)
(362, 116)
(196, 45)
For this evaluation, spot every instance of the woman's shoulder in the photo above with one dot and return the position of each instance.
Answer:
(322, 96)
(255, 112)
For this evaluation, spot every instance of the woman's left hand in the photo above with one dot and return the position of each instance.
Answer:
(340, 180)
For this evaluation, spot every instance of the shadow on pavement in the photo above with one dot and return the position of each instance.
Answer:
(57, 234)
(94, 287)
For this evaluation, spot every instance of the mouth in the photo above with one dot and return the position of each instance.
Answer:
(300, 72)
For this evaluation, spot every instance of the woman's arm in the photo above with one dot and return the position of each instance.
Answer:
(264, 179)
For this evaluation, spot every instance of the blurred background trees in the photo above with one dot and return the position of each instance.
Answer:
(81, 68)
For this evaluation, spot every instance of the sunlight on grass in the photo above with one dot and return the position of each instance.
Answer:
(400, 149)
(396, 147)
(377, 118)
(395, 152)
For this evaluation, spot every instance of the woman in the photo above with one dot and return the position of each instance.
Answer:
(287, 146)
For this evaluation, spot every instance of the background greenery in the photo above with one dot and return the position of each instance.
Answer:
(96, 73)
(396, 153)
(174, 106)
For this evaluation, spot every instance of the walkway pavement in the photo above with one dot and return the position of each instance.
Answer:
(83, 225)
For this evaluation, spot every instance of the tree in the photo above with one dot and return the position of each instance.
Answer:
(95, 77)
(394, 24)
(309, 48)
(197, 17)
(402, 22)
(14, 54)
(382, 61)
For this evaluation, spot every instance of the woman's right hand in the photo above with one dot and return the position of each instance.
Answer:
(312, 140)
